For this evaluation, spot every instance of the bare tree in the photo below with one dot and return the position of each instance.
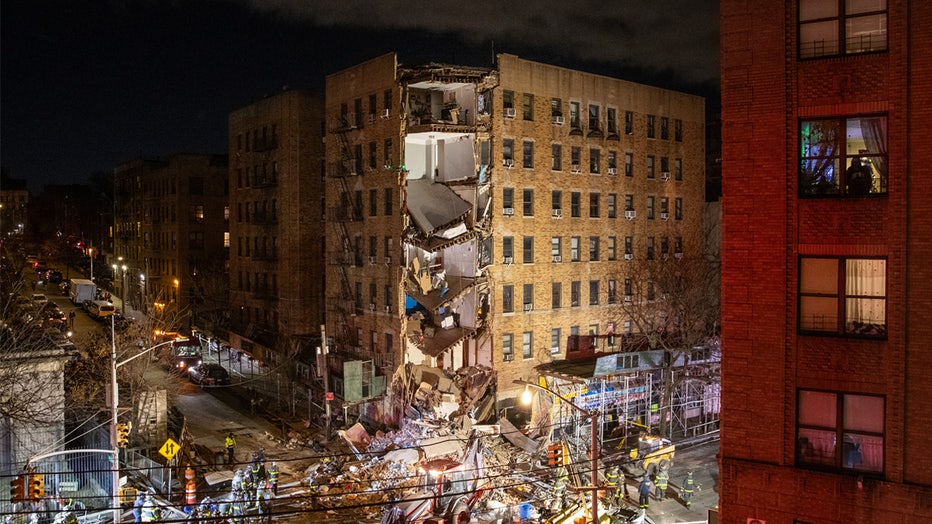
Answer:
(670, 297)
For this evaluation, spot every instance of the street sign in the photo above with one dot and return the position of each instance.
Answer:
(169, 449)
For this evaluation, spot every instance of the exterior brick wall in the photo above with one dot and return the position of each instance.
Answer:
(766, 227)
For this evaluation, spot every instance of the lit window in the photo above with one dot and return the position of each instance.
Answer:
(824, 24)
(843, 156)
(840, 430)
(845, 296)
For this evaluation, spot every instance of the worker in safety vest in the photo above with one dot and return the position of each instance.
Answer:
(230, 444)
(559, 486)
(689, 486)
(663, 477)
(273, 478)
(151, 512)
(614, 478)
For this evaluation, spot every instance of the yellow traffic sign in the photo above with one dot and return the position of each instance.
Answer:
(170, 449)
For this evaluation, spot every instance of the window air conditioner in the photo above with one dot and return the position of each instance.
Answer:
(628, 299)
(508, 260)
(557, 213)
(388, 260)
(664, 216)
(557, 258)
(510, 112)
(528, 307)
(575, 168)
(509, 163)
(371, 306)
(508, 357)
(629, 256)
(386, 113)
(508, 211)
(388, 309)
(371, 261)
(557, 120)
(630, 214)
(665, 176)
(612, 171)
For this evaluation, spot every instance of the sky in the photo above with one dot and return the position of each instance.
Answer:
(86, 85)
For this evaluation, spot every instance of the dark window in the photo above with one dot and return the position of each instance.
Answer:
(528, 202)
(594, 248)
(593, 292)
(664, 128)
(629, 122)
(388, 201)
(595, 161)
(556, 154)
(574, 293)
(594, 210)
(650, 126)
(556, 292)
(528, 251)
(508, 298)
(528, 156)
(528, 297)
(528, 107)
(575, 198)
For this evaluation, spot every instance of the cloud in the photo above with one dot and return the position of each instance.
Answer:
(679, 36)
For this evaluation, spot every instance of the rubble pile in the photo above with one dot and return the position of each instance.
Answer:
(387, 469)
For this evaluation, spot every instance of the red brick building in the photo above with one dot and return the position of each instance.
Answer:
(826, 297)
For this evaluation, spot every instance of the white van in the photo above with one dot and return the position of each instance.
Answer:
(100, 309)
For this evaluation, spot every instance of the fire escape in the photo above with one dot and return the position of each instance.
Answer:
(264, 251)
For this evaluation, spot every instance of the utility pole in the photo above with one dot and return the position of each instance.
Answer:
(323, 366)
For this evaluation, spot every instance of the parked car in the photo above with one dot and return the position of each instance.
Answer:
(55, 277)
(209, 375)
(39, 299)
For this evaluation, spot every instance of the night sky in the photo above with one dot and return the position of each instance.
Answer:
(87, 85)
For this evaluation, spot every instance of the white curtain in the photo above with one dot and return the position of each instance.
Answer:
(866, 278)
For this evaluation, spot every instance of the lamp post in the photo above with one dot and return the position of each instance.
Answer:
(122, 286)
(90, 253)
(593, 415)
(115, 403)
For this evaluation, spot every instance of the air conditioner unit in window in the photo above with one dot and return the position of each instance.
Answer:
(557, 258)
(509, 163)
(388, 260)
(371, 306)
(386, 113)
(678, 255)
(388, 309)
(664, 216)
(508, 260)
(510, 112)
(612, 171)
(528, 307)
(557, 213)
(629, 256)
(508, 357)
(371, 261)
(575, 169)
(508, 211)
(630, 214)
(629, 299)
(557, 120)
(665, 176)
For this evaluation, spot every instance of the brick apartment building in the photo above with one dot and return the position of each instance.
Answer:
(169, 232)
(827, 315)
(483, 216)
(276, 181)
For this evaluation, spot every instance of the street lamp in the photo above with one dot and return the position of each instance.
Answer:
(593, 415)
(90, 253)
(115, 402)
(122, 286)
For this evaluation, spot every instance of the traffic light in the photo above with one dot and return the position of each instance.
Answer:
(555, 455)
(36, 486)
(123, 429)
(18, 489)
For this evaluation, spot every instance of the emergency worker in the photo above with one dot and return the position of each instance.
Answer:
(689, 486)
(273, 478)
(663, 477)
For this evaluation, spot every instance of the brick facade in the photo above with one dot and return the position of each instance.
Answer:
(768, 227)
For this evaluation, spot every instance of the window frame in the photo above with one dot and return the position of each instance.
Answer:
(843, 22)
(842, 430)
(812, 180)
(508, 298)
(842, 295)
